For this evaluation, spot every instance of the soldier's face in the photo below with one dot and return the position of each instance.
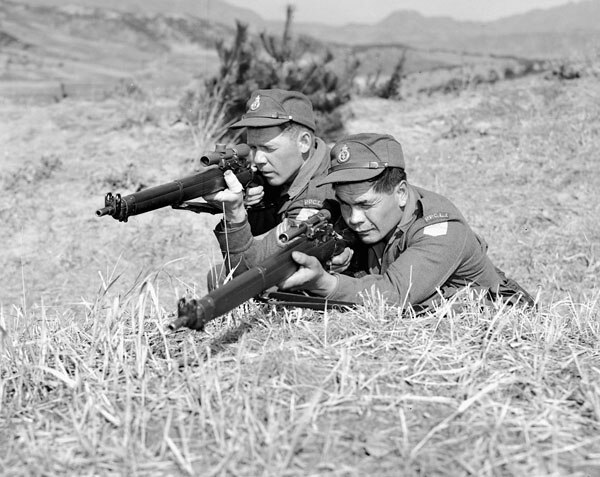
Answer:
(372, 215)
(276, 154)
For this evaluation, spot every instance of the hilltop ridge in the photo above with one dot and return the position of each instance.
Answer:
(94, 41)
(550, 32)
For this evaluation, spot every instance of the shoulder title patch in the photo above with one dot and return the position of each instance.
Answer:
(436, 216)
(314, 203)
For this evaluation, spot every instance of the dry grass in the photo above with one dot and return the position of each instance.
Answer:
(90, 383)
(498, 392)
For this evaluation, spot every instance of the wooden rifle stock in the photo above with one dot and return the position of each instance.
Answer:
(318, 239)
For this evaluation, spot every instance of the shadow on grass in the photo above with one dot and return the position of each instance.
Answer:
(208, 347)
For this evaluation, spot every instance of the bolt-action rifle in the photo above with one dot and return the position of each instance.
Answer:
(314, 236)
(176, 193)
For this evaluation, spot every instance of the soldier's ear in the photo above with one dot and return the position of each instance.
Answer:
(305, 142)
(401, 191)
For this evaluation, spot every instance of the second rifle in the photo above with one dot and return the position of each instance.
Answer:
(177, 192)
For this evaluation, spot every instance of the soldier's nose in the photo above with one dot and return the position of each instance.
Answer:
(355, 218)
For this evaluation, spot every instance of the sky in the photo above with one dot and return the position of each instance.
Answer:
(339, 12)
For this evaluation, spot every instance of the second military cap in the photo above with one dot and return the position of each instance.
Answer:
(360, 157)
(273, 107)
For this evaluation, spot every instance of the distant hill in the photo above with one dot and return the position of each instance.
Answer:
(539, 32)
(90, 45)
(209, 10)
(168, 43)
(552, 32)
(579, 16)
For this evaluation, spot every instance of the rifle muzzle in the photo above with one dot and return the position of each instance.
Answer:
(105, 211)
(193, 314)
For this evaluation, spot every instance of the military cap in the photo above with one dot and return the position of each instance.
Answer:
(273, 107)
(360, 157)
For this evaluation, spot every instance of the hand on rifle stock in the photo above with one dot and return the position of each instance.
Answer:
(310, 276)
(339, 263)
(254, 195)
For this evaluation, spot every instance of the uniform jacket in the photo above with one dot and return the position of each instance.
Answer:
(240, 243)
(434, 254)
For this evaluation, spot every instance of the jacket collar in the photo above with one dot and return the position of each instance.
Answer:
(308, 169)
(411, 211)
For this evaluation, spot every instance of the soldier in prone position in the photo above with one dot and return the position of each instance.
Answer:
(417, 246)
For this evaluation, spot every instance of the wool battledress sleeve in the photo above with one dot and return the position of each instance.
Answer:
(243, 251)
(432, 257)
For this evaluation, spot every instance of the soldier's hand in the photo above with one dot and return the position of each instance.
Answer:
(231, 198)
(254, 195)
(310, 276)
(341, 262)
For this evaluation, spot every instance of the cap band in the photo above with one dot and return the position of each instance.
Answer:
(354, 165)
(268, 116)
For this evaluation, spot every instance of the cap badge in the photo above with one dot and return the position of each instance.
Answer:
(256, 103)
(344, 154)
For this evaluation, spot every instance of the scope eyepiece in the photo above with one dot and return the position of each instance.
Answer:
(221, 152)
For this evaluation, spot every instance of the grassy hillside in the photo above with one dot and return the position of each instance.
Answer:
(79, 48)
(90, 383)
(52, 50)
(210, 10)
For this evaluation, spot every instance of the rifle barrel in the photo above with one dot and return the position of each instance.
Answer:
(249, 284)
(172, 193)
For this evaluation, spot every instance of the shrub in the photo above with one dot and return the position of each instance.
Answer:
(390, 88)
(269, 62)
(566, 71)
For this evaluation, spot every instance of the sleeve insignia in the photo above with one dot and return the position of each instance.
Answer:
(436, 230)
(305, 214)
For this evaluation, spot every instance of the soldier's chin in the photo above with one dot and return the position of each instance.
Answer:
(368, 238)
(274, 180)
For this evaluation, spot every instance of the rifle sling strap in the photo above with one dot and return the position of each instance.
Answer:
(198, 207)
(303, 301)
